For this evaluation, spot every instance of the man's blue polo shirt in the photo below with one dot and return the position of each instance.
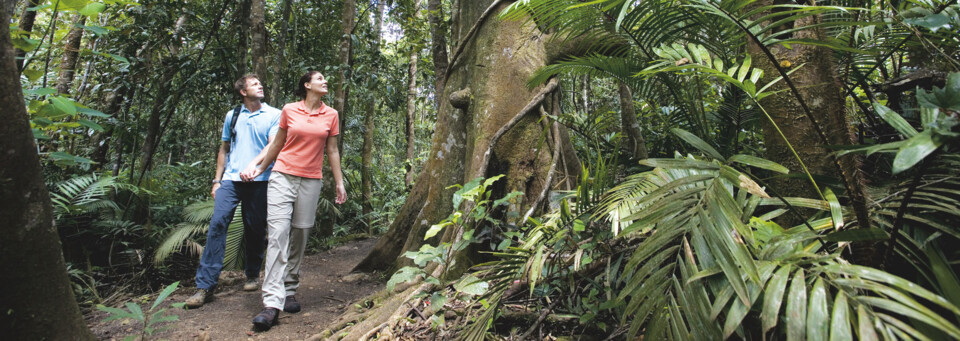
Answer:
(254, 130)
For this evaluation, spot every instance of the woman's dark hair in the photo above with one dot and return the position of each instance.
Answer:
(301, 90)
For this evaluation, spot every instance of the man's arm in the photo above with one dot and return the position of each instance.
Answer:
(221, 160)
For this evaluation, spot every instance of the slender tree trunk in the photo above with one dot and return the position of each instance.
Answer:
(37, 299)
(243, 32)
(366, 171)
(258, 41)
(634, 145)
(326, 221)
(280, 63)
(71, 53)
(411, 116)
(821, 92)
(480, 97)
(438, 33)
(27, 19)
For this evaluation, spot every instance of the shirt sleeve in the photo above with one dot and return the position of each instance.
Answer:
(283, 119)
(335, 124)
(225, 135)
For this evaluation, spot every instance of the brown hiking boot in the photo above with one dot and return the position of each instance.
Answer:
(251, 284)
(266, 319)
(290, 305)
(198, 299)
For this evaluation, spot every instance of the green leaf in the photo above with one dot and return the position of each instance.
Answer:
(818, 313)
(63, 106)
(163, 294)
(865, 324)
(836, 211)
(25, 44)
(34, 75)
(797, 308)
(90, 124)
(39, 91)
(404, 275)
(506, 199)
(840, 321)
(136, 311)
(96, 30)
(916, 149)
(434, 229)
(471, 285)
(74, 5)
(92, 9)
(91, 112)
(946, 97)
(437, 301)
(857, 235)
(698, 143)
(754, 161)
(895, 120)
(40, 135)
(933, 21)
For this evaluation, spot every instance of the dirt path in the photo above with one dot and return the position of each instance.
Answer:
(323, 294)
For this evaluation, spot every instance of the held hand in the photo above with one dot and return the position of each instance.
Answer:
(341, 194)
(250, 173)
(213, 192)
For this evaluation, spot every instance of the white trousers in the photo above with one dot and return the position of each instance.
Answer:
(291, 212)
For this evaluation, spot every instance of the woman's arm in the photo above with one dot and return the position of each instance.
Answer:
(334, 154)
(266, 156)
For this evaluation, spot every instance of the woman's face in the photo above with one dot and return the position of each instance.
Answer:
(317, 84)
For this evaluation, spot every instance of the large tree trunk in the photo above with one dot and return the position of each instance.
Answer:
(438, 34)
(366, 157)
(37, 300)
(483, 93)
(814, 124)
(71, 52)
(258, 40)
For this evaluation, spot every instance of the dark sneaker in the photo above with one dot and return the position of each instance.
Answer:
(290, 305)
(199, 298)
(266, 319)
(251, 284)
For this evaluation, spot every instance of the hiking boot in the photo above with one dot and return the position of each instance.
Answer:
(251, 284)
(198, 299)
(266, 319)
(290, 305)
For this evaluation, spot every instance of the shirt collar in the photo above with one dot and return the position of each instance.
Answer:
(302, 106)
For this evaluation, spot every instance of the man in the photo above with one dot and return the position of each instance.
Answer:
(256, 125)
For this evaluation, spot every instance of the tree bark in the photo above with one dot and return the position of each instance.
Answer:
(243, 32)
(258, 41)
(366, 163)
(280, 63)
(822, 94)
(27, 19)
(37, 298)
(480, 97)
(71, 52)
(438, 33)
(634, 145)
(326, 221)
(411, 116)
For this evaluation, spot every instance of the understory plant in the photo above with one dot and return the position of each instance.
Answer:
(150, 319)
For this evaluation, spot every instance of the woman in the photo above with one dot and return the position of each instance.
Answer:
(307, 128)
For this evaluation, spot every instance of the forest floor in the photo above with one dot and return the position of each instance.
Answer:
(324, 294)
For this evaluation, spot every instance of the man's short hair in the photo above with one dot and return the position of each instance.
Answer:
(241, 83)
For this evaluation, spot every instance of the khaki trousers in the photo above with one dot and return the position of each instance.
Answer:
(291, 211)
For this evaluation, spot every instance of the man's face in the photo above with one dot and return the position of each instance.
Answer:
(253, 90)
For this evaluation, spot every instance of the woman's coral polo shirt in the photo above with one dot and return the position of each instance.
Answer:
(307, 132)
